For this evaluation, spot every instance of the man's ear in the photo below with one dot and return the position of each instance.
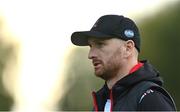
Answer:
(129, 47)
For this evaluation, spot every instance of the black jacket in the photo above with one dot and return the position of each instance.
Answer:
(123, 95)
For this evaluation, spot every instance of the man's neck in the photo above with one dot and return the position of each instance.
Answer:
(124, 71)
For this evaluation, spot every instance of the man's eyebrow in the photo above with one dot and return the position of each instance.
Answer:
(99, 40)
(96, 41)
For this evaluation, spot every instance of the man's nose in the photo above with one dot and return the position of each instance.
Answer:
(92, 53)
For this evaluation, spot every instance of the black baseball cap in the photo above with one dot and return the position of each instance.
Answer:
(109, 26)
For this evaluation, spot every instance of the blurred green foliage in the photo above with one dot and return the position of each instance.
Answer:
(6, 52)
(5, 99)
(160, 45)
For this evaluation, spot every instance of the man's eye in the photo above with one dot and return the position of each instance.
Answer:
(100, 44)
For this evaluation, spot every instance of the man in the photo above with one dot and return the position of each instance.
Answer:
(130, 85)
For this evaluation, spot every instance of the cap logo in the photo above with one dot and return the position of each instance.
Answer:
(129, 33)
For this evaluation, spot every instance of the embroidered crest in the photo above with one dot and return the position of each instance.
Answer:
(129, 33)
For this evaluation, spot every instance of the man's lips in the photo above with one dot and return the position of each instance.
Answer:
(96, 63)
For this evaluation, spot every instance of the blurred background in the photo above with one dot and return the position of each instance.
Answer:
(40, 70)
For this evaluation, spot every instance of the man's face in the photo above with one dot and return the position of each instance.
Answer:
(107, 56)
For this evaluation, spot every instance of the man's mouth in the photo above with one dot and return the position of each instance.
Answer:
(96, 64)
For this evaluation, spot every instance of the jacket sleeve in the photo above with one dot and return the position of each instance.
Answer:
(155, 101)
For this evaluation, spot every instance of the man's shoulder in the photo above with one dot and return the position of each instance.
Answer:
(155, 100)
(153, 95)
